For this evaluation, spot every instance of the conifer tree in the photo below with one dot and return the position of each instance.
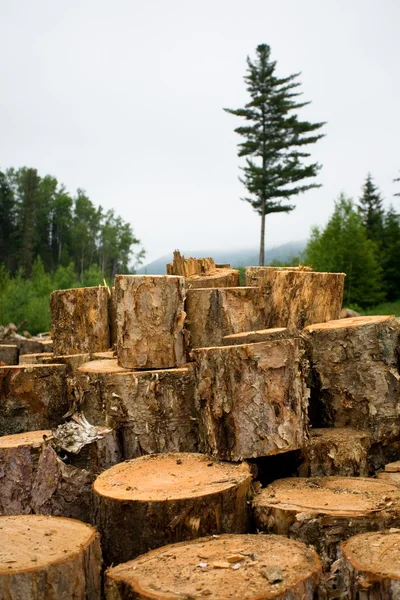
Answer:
(371, 210)
(391, 254)
(275, 140)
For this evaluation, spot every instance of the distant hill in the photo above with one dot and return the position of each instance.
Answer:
(236, 258)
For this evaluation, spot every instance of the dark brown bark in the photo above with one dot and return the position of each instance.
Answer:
(8, 355)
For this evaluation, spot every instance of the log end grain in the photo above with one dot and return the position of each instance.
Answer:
(249, 567)
(253, 337)
(221, 278)
(47, 557)
(371, 565)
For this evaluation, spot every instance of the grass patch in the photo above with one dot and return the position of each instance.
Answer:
(386, 308)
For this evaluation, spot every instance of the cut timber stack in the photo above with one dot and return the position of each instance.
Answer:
(48, 558)
(79, 320)
(32, 397)
(203, 272)
(356, 377)
(336, 451)
(254, 276)
(299, 298)
(213, 313)
(370, 566)
(149, 321)
(245, 567)
(252, 399)
(158, 499)
(323, 511)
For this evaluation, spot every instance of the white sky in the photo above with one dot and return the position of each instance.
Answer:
(124, 98)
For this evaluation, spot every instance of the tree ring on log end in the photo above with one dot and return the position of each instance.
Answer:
(245, 567)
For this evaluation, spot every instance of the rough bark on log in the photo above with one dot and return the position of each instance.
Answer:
(300, 298)
(253, 337)
(19, 456)
(87, 385)
(79, 320)
(32, 397)
(159, 499)
(153, 411)
(41, 358)
(150, 317)
(252, 399)
(8, 355)
(245, 567)
(67, 467)
(324, 511)
(356, 377)
(338, 451)
(24, 345)
(254, 275)
(214, 313)
(44, 558)
(369, 567)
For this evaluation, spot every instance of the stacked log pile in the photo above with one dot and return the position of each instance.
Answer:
(164, 399)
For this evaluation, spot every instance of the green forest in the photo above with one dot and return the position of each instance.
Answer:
(50, 239)
(362, 240)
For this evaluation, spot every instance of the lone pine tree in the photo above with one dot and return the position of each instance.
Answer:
(275, 140)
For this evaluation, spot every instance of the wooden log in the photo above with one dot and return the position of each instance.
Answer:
(32, 397)
(73, 361)
(187, 267)
(41, 358)
(24, 345)
(150, 319)
(242, 398)
(87, 385)
(45, 558)
(9, 355)
(221, 278)
(75, 455)
(153, 411)
(109, 355)
(300, 298)
(168, 498)
(254, 276)
(338, 451)
(19, 457)
(370, 566)
(391, 473)
(324, 511)
(356, 379)
(213, 313)
(253, 337)
(79, 320)
(249, 567)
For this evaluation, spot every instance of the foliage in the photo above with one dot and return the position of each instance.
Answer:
(343, 246)
(386, 308)
(371, 210)
(22, 298)
(39, 218)
(275, 140)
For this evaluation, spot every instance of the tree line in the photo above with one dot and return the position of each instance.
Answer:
(40, 218)
(362, 240)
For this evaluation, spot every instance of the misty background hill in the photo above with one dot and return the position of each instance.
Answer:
(235, 257)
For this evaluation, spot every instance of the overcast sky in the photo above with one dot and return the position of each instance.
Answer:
(124, 99)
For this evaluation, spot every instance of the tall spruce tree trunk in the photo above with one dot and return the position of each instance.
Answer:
(262, 240)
